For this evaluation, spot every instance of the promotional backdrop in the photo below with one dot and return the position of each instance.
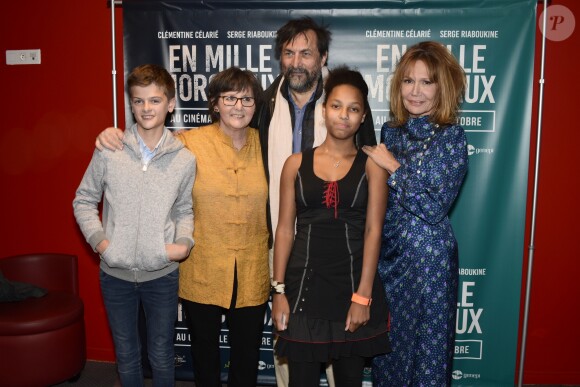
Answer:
(494, 42)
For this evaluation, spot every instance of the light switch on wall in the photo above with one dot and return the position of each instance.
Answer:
(20, 57)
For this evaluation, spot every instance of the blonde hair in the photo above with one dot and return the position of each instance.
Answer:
(444, 70)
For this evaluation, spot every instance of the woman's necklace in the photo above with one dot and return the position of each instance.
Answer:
(335, 163)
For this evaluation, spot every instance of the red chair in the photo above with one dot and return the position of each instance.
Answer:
(42, 340)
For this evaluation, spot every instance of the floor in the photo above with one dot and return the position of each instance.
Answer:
(103, 374)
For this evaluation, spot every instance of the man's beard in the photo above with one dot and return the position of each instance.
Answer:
(305, 84)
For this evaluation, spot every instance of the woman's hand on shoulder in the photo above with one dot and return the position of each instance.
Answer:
(110, 138)
(382, 157)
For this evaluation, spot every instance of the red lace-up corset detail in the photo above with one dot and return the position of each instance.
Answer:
(331, 197)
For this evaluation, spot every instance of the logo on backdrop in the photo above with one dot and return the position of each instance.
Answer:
(262, 365)
(472, 150)
(560, 23)
(458, 375)
(179, 360)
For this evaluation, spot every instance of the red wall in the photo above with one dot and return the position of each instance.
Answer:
(55, 110)
(553, 340)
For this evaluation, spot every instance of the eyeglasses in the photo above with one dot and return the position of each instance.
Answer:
(230, 100)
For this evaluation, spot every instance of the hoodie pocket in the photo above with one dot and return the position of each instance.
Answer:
(115, 258)
(153, 256)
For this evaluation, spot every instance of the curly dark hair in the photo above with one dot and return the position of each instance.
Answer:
(295, 27)
(343, 75)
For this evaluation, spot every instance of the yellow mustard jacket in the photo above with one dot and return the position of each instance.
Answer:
(230, 232)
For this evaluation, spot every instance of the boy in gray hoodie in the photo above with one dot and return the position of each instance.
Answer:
(146, 227)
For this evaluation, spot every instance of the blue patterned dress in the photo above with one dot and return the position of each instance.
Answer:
(418, 264)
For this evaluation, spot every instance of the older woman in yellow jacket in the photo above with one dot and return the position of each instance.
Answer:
(227, 271)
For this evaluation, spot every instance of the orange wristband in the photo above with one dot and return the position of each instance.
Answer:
(361, 300)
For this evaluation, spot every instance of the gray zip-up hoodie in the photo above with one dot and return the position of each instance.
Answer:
(145, 207)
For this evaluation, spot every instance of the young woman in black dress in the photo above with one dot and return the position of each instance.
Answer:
(328, 302)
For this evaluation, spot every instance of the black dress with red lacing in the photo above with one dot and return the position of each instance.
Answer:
(324, 269)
